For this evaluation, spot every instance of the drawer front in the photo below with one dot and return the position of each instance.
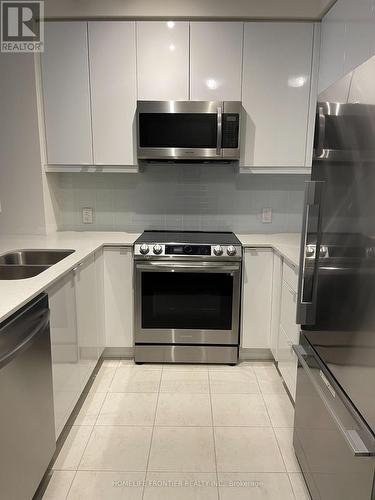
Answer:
(287, 362)
(288, 312)
(290, 275)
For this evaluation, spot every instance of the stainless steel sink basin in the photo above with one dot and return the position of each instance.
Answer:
(34, 257)
(15, 272)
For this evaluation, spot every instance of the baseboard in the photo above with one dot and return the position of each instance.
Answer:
(118, 352)
(255, 354)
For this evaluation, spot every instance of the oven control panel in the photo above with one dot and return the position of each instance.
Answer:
(186, 250)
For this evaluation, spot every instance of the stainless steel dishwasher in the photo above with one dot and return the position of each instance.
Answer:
(27, 434)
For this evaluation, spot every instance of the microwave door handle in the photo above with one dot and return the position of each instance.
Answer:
(219, 130)
(307, 288)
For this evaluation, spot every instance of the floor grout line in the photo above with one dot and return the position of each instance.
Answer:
(93, 427)
(152, 434)
(277, 441)
(212, 426)
(213, 435)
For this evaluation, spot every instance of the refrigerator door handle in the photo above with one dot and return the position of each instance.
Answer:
(351, 436)
(309, 254)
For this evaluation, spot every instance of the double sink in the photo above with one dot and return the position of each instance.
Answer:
(23, 264)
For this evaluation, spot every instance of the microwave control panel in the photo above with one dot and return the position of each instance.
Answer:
(231, 123)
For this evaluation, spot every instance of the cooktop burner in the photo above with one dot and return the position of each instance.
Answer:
(188, 244)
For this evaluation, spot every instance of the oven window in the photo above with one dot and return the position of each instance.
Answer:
(177, 130)
(187, 300)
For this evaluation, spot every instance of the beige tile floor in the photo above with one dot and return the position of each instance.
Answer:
(153, 432)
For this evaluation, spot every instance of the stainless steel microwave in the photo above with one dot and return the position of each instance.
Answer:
(188, 130)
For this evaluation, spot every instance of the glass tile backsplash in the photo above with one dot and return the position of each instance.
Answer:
(184, 197)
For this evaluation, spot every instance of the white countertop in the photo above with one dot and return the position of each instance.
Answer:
(286, 244)
(14, 294)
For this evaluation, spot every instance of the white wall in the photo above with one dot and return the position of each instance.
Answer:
(195, 197)
(239, 9)
(21, 189)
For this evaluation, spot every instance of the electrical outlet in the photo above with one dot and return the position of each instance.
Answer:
(267, 215)
(87, 215)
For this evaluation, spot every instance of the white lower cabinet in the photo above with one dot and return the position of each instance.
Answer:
(75, 335)
(288, 329)
(276, 303)
(287, 362)
(118, 296)
(257, 298)
(65, 350)
(87, 327)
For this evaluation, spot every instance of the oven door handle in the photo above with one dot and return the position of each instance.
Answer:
(207, 266)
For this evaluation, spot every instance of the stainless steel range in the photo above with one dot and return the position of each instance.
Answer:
(187, 297)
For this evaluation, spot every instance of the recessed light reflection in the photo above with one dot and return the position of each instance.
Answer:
(170, 24)
(297, 81)
(172, 47)
(211, 84)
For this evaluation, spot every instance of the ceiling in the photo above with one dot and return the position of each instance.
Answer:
(188, 9)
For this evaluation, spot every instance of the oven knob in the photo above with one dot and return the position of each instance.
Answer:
(188, 249)
(231, 251)
(144, 249)
(158, 249)
(218, 250)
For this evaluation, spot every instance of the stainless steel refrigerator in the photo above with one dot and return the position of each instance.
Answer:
(334, 428)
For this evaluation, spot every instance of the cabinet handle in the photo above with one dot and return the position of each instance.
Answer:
(77, 267)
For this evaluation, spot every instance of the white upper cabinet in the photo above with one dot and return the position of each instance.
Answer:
(348, 39)
(113, 91)
(362, 88)
(332, 52)
(216, 61)
(276, 87)
(65, 71)
(163, 60)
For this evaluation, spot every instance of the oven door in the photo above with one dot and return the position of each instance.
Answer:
(187, 302)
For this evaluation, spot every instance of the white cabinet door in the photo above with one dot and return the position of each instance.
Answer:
(275, 93)
(215, 61)
(287, 362)
(358, 31)
(348, 39)
(276, 303)
(86, 297)
(65, 75)
(112, 55)
(332, 52)
(163, 60)
(64, 347)
(362, 88)
(289, 312)
(118, 292)
(100, 312)
(257, 298)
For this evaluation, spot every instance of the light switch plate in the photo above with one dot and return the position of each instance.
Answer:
(87, 215)
(267, 215)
